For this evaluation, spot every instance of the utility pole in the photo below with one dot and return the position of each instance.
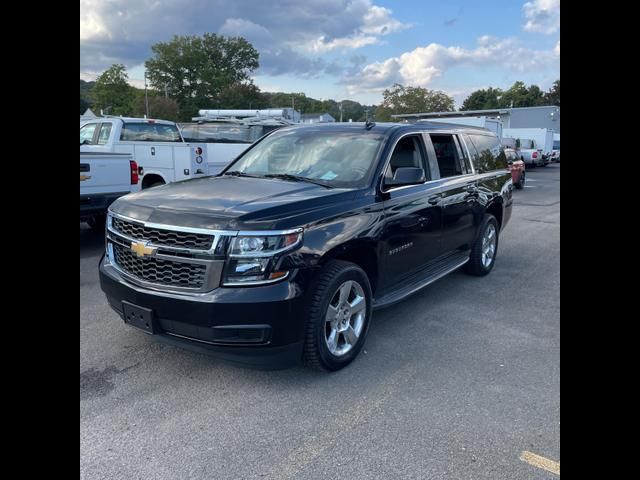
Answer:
(340, 112)
(146, 98)
(166, 94)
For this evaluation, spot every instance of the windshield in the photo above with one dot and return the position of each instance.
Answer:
(341, 159)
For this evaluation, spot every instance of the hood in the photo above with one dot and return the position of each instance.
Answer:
(232, 203)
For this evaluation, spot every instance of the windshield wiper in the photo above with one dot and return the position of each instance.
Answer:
(238, 173)
(296, 178)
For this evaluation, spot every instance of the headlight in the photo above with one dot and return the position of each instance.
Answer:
(252, 257)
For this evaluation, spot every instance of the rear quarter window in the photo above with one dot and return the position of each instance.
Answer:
(150, 132)
(490, 155)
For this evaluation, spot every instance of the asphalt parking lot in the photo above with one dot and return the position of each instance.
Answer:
(457, 382)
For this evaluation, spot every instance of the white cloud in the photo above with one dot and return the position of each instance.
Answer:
(289, 35)
(321, 44)
(422, 65)
(375, 22)
(556, 49)
(542, 16)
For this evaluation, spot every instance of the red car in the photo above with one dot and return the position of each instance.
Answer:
(516, 166)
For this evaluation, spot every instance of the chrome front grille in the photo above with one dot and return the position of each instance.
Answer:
(160, 271)
(158, 236)
(180, 259)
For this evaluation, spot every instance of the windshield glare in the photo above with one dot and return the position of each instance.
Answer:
(336, 158)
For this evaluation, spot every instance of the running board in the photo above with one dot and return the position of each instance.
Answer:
(432, 272)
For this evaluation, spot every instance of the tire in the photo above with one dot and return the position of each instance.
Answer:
(520, 184)
(477, 264)
(97, 222)
(337, 276)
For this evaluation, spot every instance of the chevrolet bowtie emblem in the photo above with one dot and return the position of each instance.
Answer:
(141, 249)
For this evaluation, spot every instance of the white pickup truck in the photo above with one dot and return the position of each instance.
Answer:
(157, 145)
(104, 177)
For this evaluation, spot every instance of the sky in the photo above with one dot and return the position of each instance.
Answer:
(342, 49)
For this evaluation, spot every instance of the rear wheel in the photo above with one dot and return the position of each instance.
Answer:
(338, 316)
(485, 248)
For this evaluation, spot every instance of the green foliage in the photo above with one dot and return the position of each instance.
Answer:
(552, 97)
(400, 99)
(83, 105)
(159, 106)
(483, 99)
(196, 70)
(518, 95)
(112, 91)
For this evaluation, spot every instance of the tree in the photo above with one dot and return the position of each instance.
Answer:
(240, 95)
(482, 99)
(521, 96)
(159, 106)
(112, 91)
(552, 97)
(83, 105)
(400, 99)
(196, 70)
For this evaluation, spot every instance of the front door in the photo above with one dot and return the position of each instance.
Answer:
(411, 233)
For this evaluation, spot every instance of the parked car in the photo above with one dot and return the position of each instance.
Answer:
(104, 177)
(516, 166)
(530, 154)
(285, 254)
(225, 138)
(157, 145)
(555, 154)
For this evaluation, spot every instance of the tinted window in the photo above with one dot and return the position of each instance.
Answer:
(462, 153)
(512, 156)
(86, 133)
(490, 154)
(556, 144)
(150, 132)
(447, 155)
(105, 131)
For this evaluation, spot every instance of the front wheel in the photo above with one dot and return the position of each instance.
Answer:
(338, 317)
(485, 248)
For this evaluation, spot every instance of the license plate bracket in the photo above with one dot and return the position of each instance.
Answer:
(139, 317)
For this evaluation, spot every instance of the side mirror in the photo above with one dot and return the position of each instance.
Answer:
(406, 176)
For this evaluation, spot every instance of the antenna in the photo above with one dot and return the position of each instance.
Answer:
(368, 124)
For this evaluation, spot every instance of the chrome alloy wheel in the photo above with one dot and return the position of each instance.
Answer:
(488, 245)
(345, 318)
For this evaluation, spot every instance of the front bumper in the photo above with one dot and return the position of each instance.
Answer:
(262, 327)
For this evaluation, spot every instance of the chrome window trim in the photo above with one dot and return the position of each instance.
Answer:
(468, 152)
(436, 132)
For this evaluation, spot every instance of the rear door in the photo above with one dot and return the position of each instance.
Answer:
(459, 205)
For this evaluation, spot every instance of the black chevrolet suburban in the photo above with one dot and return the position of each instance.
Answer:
(286, 253)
